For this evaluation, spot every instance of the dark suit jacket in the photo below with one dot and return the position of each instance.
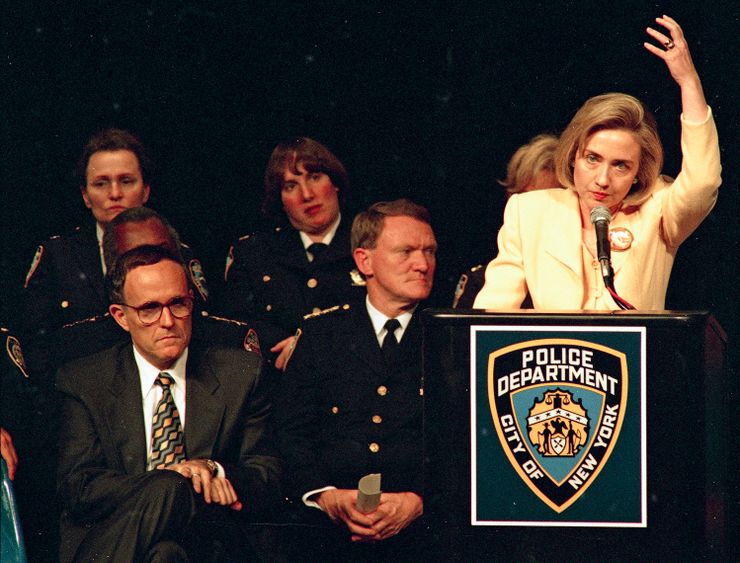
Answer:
(337, 399)
(102, 443)
(270, 282)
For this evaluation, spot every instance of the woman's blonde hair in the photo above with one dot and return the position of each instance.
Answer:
(613, 111)
(528, 161)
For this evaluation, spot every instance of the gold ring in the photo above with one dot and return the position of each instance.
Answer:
(669, 44)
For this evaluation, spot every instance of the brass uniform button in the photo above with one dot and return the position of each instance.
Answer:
(312, 283)
(382, 390)
(335, 410)
(269, 308)
(377, 419)
(64, 304)
(375, 448)
(266, 278)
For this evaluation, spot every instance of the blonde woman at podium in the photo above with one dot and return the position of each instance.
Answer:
(610, 157)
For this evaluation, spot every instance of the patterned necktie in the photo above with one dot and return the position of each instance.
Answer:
(167, 439)
(317, 249)
(390, 344)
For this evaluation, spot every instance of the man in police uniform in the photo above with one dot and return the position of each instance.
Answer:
(65, 283)
(304, 264)
(130, 229)
(350, 401)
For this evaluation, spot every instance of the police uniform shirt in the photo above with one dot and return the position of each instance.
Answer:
(307, 242)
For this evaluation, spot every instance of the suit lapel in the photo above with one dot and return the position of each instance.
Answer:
(360, 338)
(289, 249)
(563, 237)
(204, 409)
(627, 218)
(339, 248)
(126, 417)
(88, 261)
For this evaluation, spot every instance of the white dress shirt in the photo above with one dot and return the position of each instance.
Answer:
(328, 237)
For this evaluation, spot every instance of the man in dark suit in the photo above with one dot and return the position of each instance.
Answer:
(139, 485)
(350, 402)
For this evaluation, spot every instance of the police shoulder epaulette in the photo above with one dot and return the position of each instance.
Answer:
(223, 319)
(344, 307)
(93, 319)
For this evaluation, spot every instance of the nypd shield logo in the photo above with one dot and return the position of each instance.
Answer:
(558, 406)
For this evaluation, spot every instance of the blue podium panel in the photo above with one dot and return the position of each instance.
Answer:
(576, 436)
(557, 426)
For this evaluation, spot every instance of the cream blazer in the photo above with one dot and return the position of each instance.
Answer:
(540, 245)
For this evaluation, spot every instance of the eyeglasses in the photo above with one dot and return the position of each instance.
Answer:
(150, 313)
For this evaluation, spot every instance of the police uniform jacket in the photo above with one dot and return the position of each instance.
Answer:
(341, 413)
(65, 285)
(95, 334)
(271, 283)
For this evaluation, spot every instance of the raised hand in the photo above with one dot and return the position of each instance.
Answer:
(674, 51)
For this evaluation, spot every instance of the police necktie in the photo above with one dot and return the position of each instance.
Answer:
(390, 344)
(168, 445)
(317, 249)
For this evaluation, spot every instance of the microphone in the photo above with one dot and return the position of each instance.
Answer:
(600, 217)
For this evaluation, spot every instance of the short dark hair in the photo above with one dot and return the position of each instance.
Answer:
(314, 156)
(368, 225)
(146, 255)
(134, 215)
(114, 140)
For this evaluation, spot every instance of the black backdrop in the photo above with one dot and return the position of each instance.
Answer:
(425, 100)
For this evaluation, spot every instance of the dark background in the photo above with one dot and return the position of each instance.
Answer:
(424, 100)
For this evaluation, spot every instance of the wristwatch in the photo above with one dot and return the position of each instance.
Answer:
(212, 467)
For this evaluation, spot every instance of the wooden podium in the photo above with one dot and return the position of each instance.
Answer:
(576, 436)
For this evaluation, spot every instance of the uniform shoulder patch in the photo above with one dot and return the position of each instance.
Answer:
(198, 277)
(15, 353)
(34, 264)
(325, 311)
(252, 342)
